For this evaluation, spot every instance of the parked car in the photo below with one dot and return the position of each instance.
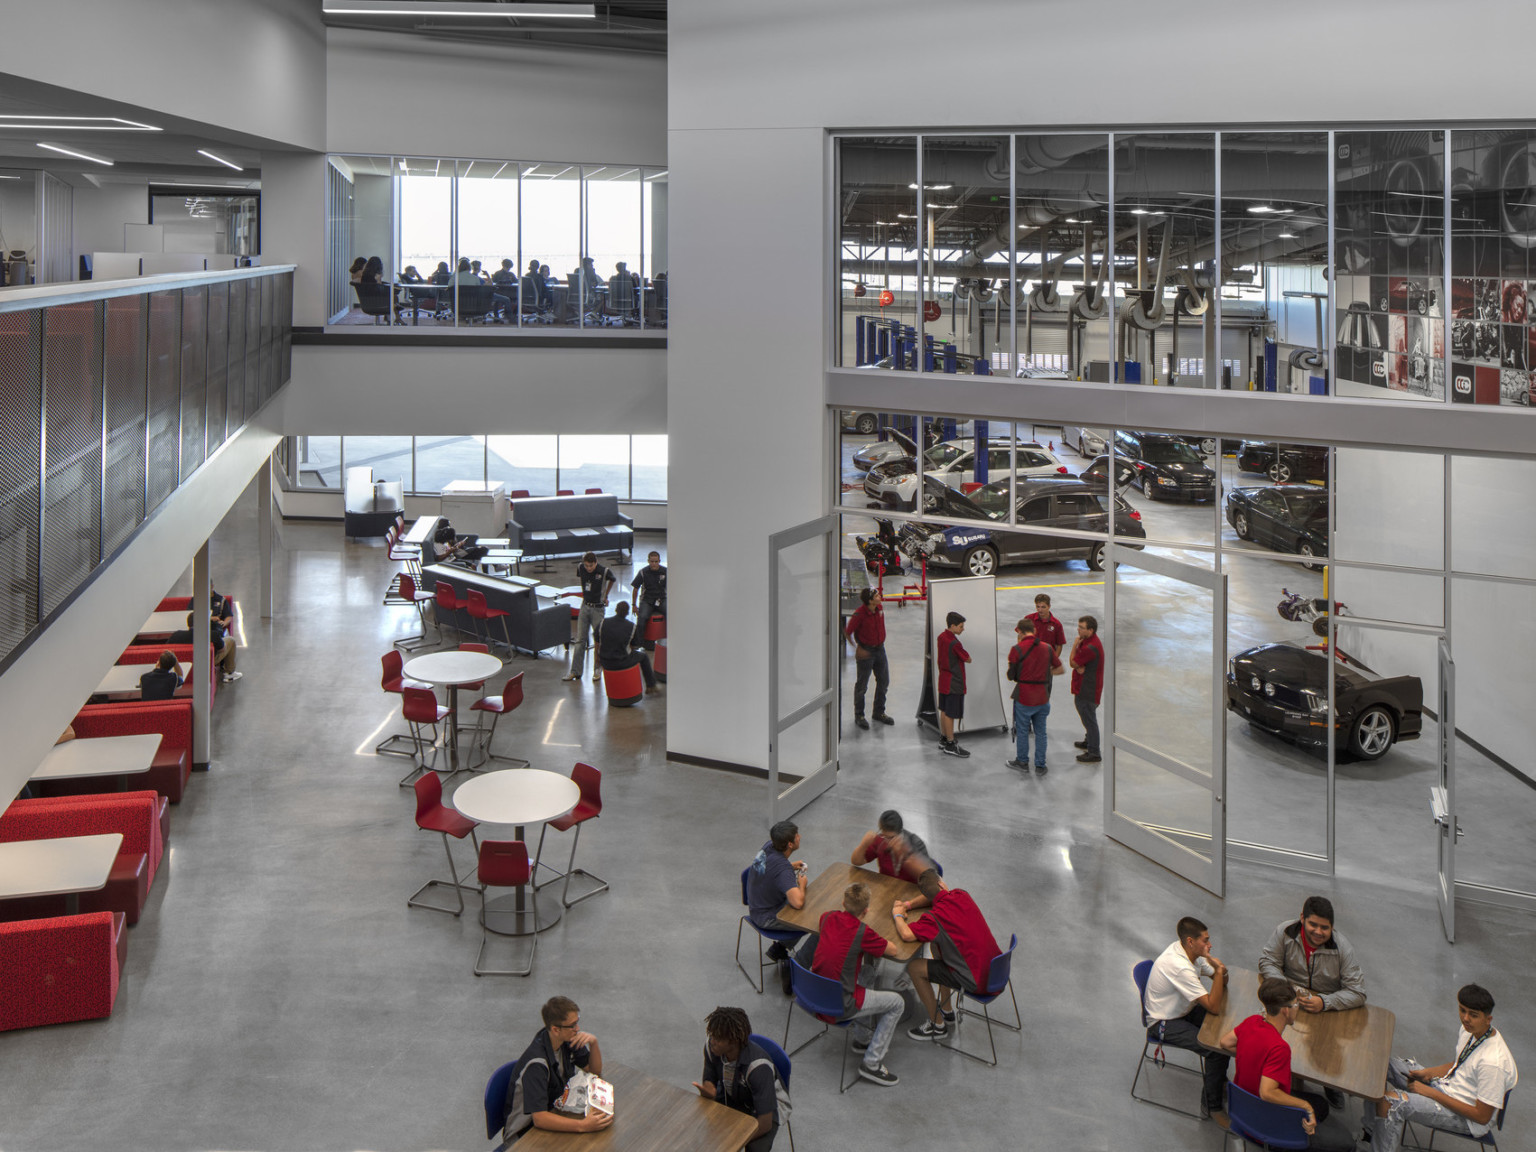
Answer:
(1097, 472)
(898, 445)
(1283, 688)
(864, 423)
(1283, 463)
(953, 462)
(1166, 466)
(1286, 518)
(1088, 441)
(1043, 503)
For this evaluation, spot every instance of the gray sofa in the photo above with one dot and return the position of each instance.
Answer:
(532, 625)
(569, 525)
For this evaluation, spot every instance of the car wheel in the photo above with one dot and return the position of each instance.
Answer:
(981, 560)
(866, 424)
(1305, 549)
(1240, 525)
(1280, 472)
(1096, 558)
(1373, 733)
(1208, 445)
(1149, 488)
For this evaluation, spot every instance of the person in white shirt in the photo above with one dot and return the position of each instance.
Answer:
(1461, 1095)
(1178, 999)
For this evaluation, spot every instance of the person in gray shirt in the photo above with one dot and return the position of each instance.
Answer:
(1316, 959)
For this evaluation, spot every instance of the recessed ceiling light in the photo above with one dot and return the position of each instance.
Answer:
(492, 8)
(74, 123)
(220, 160)
(1138, 211)
(76, 153)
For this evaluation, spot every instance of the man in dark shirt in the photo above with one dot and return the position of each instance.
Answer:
(952, 661)
(1031, 664)
(867, 627)
(650, 589)
(546, 1067)
(596, 583)
(161, 682)
(773, 881)
(614, 653)
(1087, 660)
(740, 1074)
(223, 646)
(960, 943)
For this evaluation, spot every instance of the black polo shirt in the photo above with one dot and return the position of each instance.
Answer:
(594, 584)
(651, 586)
(754, 1092)
(542, 1075)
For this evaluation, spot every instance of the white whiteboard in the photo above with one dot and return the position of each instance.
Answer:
(975, 598)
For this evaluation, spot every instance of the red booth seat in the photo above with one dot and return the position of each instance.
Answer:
(149, 653)
(60, 970)
(136, 817)
(162, 807)
(173, 762)
(175, 604)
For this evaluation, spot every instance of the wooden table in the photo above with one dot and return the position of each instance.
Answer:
(1346, 1050)
(65, 866)
(825, 894)
(519, 797)
(122, 679)
(120, 756)
(651, 1115)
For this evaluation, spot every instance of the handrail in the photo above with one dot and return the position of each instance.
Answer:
(48, 295)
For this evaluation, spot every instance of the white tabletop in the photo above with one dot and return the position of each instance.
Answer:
(57, 867)
(452, 667)
(164, 622)
(122, 678)
(516, 796)
(421, 531)
(100, 756)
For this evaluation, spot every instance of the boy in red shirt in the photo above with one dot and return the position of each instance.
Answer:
(1047, 627)
(961, 944)
(1087, 660)
(1031, 664)
(842, 943)
(952, 661)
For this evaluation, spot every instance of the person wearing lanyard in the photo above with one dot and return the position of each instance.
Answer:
(1317, 959)
(867, 627)
(1177, 1001)
(596, 583)
(1461, 1095)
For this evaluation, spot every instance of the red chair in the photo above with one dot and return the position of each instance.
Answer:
(405, 593)
(421, 709)
(589, 807)
(566, 492)
(394, 681)
(520, 494)
(624, 687)
(407, 554)
(498, 706)
(655, 628)
(432, 815)
(594, 491)
(659, 661)
(448, 601)
(478, 609)
(504, 864)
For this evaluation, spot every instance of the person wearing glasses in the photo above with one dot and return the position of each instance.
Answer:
(546, 1067)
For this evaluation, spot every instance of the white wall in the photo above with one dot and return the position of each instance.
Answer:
(293, 227)
(392, 94)
(372, 227)
(100, 214)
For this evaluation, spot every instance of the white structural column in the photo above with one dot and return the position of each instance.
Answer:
(201, 673)
(264, 528)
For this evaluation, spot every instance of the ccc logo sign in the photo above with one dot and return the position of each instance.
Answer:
(1464, 385)
(1378, 369)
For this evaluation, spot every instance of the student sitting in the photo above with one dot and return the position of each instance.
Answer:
(960, 943)
(162, 681)
(546, 1067)
(895, 850)
(741, 1075)
(613, 647)
(843, 942)
(775, 882)
(1178, 1000)
(223, 645)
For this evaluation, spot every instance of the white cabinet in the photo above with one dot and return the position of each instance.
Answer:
(472, 506)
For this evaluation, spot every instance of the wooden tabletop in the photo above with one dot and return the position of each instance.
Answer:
(826, 894)
(652, 1116)
(100, 756)
(59, 866)
(1346, 1050)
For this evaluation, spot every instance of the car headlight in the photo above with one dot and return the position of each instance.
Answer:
(1316, 701)
(1255, 683)
(1269, 689)
(1168, 480)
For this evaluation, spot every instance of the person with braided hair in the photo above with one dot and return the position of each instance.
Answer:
(741, 1075)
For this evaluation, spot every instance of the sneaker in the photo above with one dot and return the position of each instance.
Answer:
(231, 677)
(1080, 744)
(1089, 758)
(1019, 764)
(596, 676)
(880, 1075)
(949, 748)
(572, 676)
(882, 718)
(1041, 769)
(949, 1017)
(860, 722)
(956, 750)
(926, 1031)
(1221, 1119)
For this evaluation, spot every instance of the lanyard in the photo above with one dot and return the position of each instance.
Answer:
(1471, 1047)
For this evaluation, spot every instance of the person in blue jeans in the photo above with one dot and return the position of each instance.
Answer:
(1031, 664)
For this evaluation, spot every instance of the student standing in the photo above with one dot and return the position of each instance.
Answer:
(867, 627)
(596, 583)
(1031, 664)
(1047, 627)
(1087, 660)
(952, 661)
(650, 589)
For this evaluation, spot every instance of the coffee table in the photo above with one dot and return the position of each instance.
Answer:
(451, 669)
(519, 797)
(120, 756)
(65, 866)
(825, 893)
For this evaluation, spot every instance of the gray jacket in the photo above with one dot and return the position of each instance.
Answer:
(1334, 973)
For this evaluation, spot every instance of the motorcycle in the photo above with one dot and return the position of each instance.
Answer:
(1299, 609)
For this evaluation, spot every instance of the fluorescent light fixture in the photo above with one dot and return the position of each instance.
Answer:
(1068, 220)
(1268, 210)
(220, 160)
(905, 216)
(657, 175)
(932, 187)
(10, 177)
(1138, 212)
(76, 153)
(932, 205)
(459, 9)
(1287, 235)
(74, 123)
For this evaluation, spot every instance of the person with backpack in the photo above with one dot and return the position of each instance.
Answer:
(740, 1074)
(1031, 664)
(841, 943)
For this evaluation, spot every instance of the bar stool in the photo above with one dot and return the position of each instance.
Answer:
(433, 816)
(408, 593)
(504, 864)
(448, 601)
(498, 706)
(420, 709)
(478, 609)
(590, 781)
(394, 681)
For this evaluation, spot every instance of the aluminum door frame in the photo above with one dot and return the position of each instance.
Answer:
(785, 802)
(1442, 797)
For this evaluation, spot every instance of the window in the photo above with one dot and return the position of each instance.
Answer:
(388, 456)
(648, 468)
(1036, 510)
(488, 221)
(595, 462)
(613, 240)
(552, 235)
(440, 460)
(318, 462)
(523, 463)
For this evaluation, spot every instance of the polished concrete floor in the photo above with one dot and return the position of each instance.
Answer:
(280, 995)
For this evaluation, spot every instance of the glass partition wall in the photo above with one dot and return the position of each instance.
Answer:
(496, 244)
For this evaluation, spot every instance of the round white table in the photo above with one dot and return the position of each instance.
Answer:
(519, 797)
(449, 670)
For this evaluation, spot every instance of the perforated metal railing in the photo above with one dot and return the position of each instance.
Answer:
(112, 396)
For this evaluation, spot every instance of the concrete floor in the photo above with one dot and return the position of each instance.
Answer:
(280, 995)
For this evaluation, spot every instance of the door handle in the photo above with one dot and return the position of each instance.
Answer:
(1440, 812)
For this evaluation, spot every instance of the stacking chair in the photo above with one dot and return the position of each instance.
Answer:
(1488, 1139)
(407, 593)
(822, 998)
(769, 934)
(496, 1103)
(475, 604)
(433, 816)
(448, 601)
(497, 706)
(566, 492)
(421, 709)
(394, 681)
(999, 980)
(781, 1066)
(594, 491)
(1265, 1124)
(1139, 974)
(590, 782)
(504, 864)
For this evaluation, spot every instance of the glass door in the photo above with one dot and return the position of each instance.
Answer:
(1166, 756)
(802, 665)
(1442, 796)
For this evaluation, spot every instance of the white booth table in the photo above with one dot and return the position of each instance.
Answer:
(519, 797)
(120, 756)
(122, 679)
(66, 866)
(164, 623)
(449, 670)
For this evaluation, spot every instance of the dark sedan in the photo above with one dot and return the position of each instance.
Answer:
(1283, 463)
(1167, 468)
(1283, 688)
(1285, 518)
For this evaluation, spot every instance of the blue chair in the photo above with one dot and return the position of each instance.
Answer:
(999, 980)
(1139, 973)
(822, 998)
(1267, 1125)
(1486, 1140)
(496, 1101)
(762, 933)
(781, 1065)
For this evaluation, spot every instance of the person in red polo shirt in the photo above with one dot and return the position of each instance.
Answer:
(952, 661)
(867, 627)
(1087, 660)
(1031, 664)
(842, 942)
(1263, 1065)
(960, 943)
(1047, 627)
(895, 849)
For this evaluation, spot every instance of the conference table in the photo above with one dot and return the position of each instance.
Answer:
(1346, 1050)
(65, 866)
(650, 1115)
(120, 756)
(451, 670)
(518, 797)
(825, 894)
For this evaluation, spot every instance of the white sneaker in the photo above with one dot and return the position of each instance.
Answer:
(596, 676)
(572, 676)
(231, 677)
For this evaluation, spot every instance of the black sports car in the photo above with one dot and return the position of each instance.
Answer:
(1283, 463)
(1286, 518)
(1283, 688)
(1166, 466)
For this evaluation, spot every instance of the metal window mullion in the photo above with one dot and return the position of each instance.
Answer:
(1213, 370)
(640, 191)
(42, 455)
(453, 241)
(1014, 286)
(1114, 327)
(919, 363)
(519, 269)
(1333, 384)
(1445, 297)
(101, 490)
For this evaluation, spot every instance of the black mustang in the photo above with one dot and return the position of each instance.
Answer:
(1285, 518)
